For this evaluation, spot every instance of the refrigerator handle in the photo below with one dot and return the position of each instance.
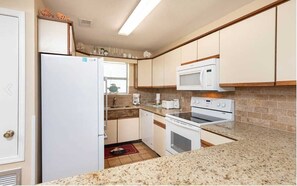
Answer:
(106, 104)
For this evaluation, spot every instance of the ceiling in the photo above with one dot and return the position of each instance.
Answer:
(168, 22)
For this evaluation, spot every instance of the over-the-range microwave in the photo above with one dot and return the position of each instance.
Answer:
(202, 75)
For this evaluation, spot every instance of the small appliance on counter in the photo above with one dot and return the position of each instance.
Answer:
(136, 99)
(176, 103)
(167, 104)
(158, 98)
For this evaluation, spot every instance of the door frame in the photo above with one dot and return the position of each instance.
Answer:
(21, 80)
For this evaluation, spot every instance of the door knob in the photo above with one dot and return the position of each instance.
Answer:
(8, 134)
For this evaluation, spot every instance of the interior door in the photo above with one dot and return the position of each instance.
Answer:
(11, 92)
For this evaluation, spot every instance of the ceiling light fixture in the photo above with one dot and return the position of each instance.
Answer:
(143, 8)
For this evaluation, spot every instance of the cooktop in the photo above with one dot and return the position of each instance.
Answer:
(196, 117)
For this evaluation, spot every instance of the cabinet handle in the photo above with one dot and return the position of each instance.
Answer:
(8, 134)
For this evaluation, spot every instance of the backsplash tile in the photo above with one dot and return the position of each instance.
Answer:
(273, 107)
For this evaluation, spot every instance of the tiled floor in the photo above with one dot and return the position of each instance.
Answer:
(144, 153)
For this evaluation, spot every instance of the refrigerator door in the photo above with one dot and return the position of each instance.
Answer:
(72, 115)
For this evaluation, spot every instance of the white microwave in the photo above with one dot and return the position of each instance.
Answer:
(202, 75)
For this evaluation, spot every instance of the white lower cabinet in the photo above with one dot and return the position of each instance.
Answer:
(128, 129)
(214, 139)
(146, 127)
(159, 140)
(111, 132)
(153, 131)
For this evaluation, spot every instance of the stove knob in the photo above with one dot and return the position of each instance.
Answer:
(223, 105)
(218, 104)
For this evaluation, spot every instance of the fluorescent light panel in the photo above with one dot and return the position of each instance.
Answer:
(143, 8)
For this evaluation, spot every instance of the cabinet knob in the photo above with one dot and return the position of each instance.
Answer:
(8, 134)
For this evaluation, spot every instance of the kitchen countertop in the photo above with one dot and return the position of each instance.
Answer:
(156, 110)
(260, 156)
(160, 111)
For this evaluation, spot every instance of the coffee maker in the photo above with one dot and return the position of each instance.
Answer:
(136, 99)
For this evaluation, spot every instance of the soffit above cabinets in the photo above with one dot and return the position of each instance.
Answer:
(168, 22)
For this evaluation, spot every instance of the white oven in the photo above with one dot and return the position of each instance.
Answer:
(183, 129)
(181, 137)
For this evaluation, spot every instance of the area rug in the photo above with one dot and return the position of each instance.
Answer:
(130, 149)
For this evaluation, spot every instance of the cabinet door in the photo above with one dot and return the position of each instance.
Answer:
(209, 45)
(53, 37)
(214, 139)
(286, 44)
(111, 132)
(128, 129)
(158, 71)
(144, 73)
(189, 52)
(146, 125)
(159, 135)
(171, 61)
(247, 51)
(72, 44)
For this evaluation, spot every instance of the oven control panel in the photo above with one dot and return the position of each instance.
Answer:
(226, 105)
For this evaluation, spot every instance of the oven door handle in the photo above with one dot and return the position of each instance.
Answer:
(187, 126)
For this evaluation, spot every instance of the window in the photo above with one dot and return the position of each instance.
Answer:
(116, 73)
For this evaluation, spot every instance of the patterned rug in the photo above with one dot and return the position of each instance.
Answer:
(130, 149)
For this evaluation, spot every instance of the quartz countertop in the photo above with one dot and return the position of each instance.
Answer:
(260, 156)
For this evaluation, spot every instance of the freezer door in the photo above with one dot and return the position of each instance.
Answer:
(70, 116)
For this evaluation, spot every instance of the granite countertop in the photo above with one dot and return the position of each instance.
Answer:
(126, 107)
(260, 156)
(160, 111)
(156, 110)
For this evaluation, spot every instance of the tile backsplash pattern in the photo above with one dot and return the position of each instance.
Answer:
(273, 107)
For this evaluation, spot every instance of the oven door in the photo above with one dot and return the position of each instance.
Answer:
(181, 137)
(190, 79)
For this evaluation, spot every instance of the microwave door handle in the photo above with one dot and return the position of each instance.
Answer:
(201, 76)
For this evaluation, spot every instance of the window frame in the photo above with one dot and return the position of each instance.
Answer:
(106, 78)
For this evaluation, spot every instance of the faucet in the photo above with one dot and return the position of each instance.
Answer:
(114, 101)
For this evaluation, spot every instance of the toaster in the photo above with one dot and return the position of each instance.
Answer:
(167, 104)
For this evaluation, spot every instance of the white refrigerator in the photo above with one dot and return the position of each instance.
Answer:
(72, 116)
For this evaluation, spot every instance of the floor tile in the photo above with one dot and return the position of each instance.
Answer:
(146, 156)
(141, 151)
(135, 157)
(125, 160)
(140, 148)
(114, 162)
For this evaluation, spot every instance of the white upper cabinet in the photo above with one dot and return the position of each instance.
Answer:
(158, 71)
(189, 52)
(247, 51)
(144, 72)
(55, 37)
(209, 45)
(286, 44)
(172, 60)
